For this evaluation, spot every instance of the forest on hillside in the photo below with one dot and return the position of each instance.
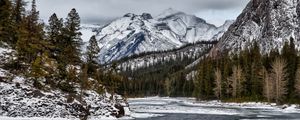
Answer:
(49, 55)
(245, 76)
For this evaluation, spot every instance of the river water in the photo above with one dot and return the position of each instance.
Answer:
(163, 108)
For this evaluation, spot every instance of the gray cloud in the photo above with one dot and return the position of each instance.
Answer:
(105, 10)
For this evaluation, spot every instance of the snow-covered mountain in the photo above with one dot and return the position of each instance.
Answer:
(268, 22)
(135, 34)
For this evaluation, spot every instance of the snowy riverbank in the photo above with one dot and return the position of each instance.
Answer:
(21, 101)
(160, 107)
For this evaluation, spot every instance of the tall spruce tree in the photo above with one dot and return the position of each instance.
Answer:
(297, 82)
(18, 11)
(72, 39)
(5, 21)
(290, 55)
(92, 50)
(31, 41)
(54, 34)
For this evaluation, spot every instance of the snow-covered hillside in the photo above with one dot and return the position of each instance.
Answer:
(18, 98)
(134, 34)
(270, 23)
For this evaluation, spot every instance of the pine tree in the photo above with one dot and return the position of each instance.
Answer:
(255, 66)
(290, 55)
(54, 34)
(31, 41)
(218, 84)
(279, 75)
(93, 50)
(297, 82)
(18, 11)
(72, 39)
(18, 15)
(5, 22)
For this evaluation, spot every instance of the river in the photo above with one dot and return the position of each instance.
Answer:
(164, 108)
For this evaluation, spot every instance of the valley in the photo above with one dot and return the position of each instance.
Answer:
(92, 62)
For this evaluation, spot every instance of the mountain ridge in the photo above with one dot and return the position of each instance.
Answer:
(270, 23)
(134, 34)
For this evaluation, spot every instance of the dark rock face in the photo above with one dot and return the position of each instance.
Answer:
(147, 16)
(129, 15)
(121, 111)
(268, 22)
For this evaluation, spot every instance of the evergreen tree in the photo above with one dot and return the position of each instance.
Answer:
(18, 14)
(18, 11)
(5, 21)
(92, 50)
(255, 66)
(54, 34)
(31, 41)
(290, 55)
(297, 82)
(72, 39)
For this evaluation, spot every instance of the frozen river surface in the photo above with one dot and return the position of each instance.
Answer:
(164, 108)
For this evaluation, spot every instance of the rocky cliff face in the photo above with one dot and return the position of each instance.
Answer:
(268, 22)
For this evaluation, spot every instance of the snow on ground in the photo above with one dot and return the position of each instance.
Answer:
(33, 118)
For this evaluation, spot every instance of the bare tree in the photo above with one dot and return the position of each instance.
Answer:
(218, 83)
(279, 76)
(297, 81)
(268, 84)
(236, 81)
(168, 86)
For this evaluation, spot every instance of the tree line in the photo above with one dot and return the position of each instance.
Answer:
(251, 76)
(247, 75)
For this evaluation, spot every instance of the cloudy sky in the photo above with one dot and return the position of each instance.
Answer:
(102, 11)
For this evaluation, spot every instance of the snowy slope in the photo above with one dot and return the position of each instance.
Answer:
(270, 23)
(18, 99)
(134, 34)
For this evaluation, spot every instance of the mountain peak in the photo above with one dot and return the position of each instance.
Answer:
(147, 16)
(169, 12)
(135, 34)
(129, 15)
(270, 23)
